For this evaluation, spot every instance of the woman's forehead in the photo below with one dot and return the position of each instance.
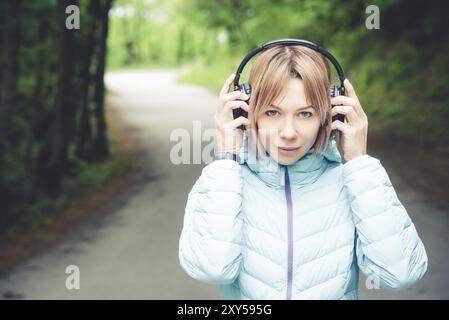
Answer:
(293, 96)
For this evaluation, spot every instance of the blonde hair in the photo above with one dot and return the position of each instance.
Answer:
(274, 67)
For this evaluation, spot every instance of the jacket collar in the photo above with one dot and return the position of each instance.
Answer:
(304, 171)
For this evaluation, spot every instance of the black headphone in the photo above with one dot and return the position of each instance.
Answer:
(246, 87)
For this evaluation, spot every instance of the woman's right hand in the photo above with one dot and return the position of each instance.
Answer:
(229, 137)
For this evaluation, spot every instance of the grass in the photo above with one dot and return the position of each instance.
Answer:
(212, 75)
(86, 178)
(86, 194)
(91, 177)
(148, 65)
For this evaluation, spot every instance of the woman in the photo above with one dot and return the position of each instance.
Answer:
(294, 218)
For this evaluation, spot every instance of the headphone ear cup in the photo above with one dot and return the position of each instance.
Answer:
(245, 88)
(239, 112)
(335, 92)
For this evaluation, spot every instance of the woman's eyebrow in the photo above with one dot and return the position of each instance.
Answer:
(300, 108)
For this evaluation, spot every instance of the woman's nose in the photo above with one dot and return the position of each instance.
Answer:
(288, 131)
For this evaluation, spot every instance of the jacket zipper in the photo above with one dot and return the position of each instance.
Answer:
(288, 197)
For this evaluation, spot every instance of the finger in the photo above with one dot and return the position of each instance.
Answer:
(343, 100)
(348, 101)
(227, 83)
(236, 104)
(350, 89)
(351, 93)
(349, 112)
(237, 122)
(234, 95)
(341, 126)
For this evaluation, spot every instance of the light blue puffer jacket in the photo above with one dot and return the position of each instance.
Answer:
(261, 230)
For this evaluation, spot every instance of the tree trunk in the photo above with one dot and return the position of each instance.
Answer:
(101, 142)
(10, 67)
(61, 126)
(84, 135)
(33, 117)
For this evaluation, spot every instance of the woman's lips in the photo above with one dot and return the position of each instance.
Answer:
(288, 151)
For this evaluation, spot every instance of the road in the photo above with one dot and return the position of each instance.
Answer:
(131, 252)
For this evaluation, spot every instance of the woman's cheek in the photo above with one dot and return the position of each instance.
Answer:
(266, 133)
(314, 130)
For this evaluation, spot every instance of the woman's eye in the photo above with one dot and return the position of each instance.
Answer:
(271, 113)
(305, 114)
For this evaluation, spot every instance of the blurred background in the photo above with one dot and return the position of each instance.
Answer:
(88, 118)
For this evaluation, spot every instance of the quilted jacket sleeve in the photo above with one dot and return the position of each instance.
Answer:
(210, 241)
(388, 247)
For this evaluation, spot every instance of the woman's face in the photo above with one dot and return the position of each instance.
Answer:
(289, 123)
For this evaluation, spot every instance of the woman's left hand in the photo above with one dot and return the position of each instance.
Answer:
(354, 131)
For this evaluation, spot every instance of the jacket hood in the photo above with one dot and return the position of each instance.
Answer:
(304, 171)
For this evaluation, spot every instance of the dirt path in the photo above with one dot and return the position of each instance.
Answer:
(131, 252)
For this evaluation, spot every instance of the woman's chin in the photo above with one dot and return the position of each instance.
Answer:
(286, 160)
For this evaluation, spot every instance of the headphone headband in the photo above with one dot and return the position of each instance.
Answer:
(290, 42)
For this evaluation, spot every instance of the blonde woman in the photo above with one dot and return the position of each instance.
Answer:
(295, 217)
